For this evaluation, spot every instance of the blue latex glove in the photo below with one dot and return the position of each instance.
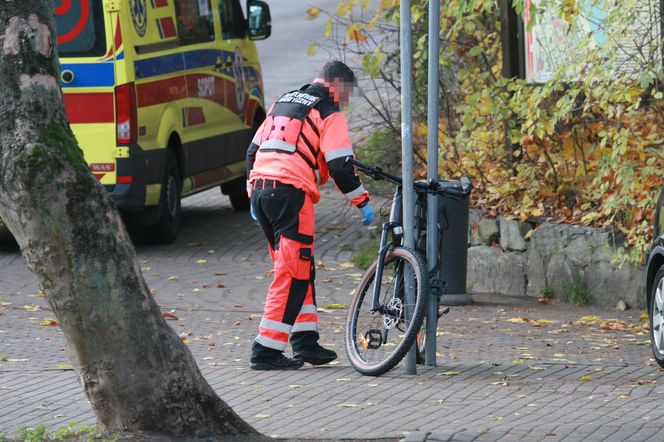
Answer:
(367, 214)
(253, 213)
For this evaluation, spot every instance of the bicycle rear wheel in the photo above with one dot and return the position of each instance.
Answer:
(377, 341)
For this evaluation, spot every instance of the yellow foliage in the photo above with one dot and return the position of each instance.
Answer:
(313, 13)
(589, 151)
(357, 35)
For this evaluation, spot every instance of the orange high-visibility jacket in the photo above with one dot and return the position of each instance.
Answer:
(303, 141)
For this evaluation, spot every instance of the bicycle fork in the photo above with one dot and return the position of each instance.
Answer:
(384, 247)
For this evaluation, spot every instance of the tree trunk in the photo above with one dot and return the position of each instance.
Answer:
(135, 370)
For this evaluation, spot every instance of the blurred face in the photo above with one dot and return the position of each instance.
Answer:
(341, 91)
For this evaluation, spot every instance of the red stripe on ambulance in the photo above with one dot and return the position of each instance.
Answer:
(161, 91)
(80, 110)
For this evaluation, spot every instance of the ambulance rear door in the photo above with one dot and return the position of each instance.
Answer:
(85, 48)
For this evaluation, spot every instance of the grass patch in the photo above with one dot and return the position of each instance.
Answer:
(547, 293)
(73, 431)
(577, 290)
(366, 254)
(33, 434)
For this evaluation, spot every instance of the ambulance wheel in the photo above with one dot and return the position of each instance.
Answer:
(168, 225)
(239, 201)
(237, 193)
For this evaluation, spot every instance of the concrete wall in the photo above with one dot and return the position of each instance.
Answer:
(519, 259)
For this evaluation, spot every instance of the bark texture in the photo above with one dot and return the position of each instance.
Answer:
(135, 370)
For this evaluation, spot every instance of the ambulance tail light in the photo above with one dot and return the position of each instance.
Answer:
(124, 179)
(126, 119)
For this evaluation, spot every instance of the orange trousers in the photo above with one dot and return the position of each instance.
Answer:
(286, 216)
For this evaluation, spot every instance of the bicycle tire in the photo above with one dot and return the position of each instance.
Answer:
(362, 339)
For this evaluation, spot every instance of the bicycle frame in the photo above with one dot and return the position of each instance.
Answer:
(395, 226)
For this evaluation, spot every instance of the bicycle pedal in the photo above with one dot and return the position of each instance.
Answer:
(372, 339)
(444, 311)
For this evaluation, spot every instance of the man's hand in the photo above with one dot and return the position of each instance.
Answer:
(253, 213)
(367, 214)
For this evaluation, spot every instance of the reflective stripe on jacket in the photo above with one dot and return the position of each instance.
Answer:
(305, 150)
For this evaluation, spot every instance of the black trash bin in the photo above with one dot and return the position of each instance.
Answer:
(453, 252)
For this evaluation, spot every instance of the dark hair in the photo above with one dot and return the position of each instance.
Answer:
(336, 69)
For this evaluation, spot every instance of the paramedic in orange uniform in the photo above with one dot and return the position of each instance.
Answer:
(301, 144)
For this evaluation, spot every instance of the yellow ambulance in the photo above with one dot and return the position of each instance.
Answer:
(163, 97)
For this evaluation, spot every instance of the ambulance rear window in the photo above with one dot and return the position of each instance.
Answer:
(80, 27)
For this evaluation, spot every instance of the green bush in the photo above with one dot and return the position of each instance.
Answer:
(382, 149)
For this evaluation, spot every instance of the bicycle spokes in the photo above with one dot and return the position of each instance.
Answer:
(376, 336)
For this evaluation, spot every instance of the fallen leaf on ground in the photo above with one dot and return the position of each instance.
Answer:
(335, 306)
(169, 315)
(504, 383)
(348, 405)
(449, 373)
(49, 323)
(589, 318)
(585, 378)
(644, 382)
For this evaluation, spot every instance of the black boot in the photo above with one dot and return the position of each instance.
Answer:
(306, 348)
(264, 358)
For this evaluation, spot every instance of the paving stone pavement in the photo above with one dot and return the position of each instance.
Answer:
(508, 368)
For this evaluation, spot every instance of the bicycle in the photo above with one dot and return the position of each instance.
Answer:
(381, 326)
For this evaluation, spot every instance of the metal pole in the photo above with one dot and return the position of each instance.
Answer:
(432, 174)
(407, 158)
